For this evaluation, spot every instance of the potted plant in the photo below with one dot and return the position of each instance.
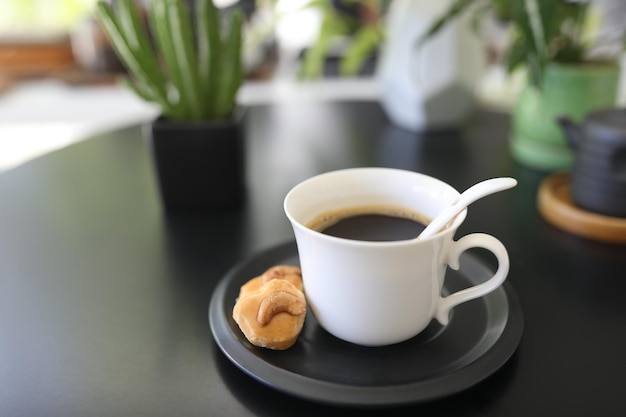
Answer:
(415, 97)
(360, 23)
(192, 69)
(563, 78)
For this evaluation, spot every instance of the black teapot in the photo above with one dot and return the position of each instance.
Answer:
(598, 175)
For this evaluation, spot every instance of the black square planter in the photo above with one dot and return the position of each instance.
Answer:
(199, 165)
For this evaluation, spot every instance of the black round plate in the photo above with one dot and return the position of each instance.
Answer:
(481, 336)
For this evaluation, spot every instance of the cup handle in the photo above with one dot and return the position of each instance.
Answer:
(476, 240)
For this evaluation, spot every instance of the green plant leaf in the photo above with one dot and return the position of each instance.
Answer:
(314, 58)
(516, 55)
(364, 43)
(159, 22)
(137, 39)
(186, 59)
(455, 10)
(545, 31)
(189, 77)
(130, 25)
(107, 18)
(534, 26)
(232, 69)
(209, 54)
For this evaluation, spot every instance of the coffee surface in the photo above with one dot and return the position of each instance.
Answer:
(372, 223)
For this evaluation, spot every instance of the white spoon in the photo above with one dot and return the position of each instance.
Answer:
(470, 195)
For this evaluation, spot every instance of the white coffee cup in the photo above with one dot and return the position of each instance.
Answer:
(380, 293)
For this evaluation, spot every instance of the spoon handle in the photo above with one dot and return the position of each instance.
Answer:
(470, 195)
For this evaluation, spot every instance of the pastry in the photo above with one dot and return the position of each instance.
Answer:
(271, 308)
(286, 272)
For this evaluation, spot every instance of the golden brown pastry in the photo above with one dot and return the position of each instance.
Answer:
(271, 308)
(293, 274)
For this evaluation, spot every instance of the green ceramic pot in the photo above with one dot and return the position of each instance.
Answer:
(568, 90)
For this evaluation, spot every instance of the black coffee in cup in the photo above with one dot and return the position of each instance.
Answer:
(371, 223)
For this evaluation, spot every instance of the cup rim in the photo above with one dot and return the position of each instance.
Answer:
(451, 229)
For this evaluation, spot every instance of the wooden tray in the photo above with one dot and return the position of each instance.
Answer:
(556, 207)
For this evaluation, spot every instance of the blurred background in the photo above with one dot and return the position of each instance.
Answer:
(59, 76)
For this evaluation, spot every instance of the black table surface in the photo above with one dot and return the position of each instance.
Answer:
(104, 298)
